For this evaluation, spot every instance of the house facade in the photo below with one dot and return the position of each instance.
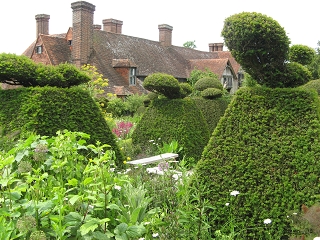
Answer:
(126, 60)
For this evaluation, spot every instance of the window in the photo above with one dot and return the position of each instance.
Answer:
(69, 42)
(227, 82)
(132, 76)
(39, 49)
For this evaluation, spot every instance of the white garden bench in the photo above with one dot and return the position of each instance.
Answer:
(168, 157)
(154, 159)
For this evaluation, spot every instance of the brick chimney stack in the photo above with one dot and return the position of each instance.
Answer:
(112, 25)
(165, 35)
(82, 28)
(215, 47)
(42, 24)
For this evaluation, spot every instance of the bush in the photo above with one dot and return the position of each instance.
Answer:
(173, 119)
(296, 75)
(212, 110)
(211, 93)
(185, 89)
(259, 44)
(164, 84)
(266, 146)
(301, 54)
(197, 74)
(116, 106)
(45, 110)
(313, 85)
(134, 102)
(208, 82)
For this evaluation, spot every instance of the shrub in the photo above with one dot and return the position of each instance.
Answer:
(164, 84)
(45, 110)
(212, 110)
(296, 75)
(134, 102)
(211, 93)
(185, 90)
(266, 146)
(208, 82)
(301, 54)
(259, 44)
(197, 74)
(173, 119)
(116, 107)
(313, 84)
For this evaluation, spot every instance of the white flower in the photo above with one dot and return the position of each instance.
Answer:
(141, 238)
(294, 213)
(316, 238)
(112, 169)
(117, 187)
(151, 140)
(267, 221)
(91, 206)
(234, 193)
(146, 223)
(155, 235)
(227, 204)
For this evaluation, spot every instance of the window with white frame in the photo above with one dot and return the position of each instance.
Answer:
(227, 82)
(39, 49)
(132, 76)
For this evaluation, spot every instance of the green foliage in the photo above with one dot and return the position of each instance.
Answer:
(266, 147)
(173, 119)
(211, 93)
(208, 82)
(313, 85)
(296, 75)
(314, 66)
(190, 44)
(164, 84)
(301, 54)
(134, 102)
(248, 81)
(20, 70)
(45, 110)
(259, 44)
(116, 106)
(212, 110)
(51, 190)
(196, 74)
(17, 70)
(185, 90)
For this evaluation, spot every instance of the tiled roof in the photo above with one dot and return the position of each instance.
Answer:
(28, 52)
(57, 49)
(215, 65)
(226, 54)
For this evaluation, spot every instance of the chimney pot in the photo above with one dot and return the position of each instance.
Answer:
(97, 27)
(214, 47)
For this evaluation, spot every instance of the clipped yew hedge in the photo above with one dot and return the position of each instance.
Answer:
(212, 110)
(173, 119)
(45, 110)
(266, 146)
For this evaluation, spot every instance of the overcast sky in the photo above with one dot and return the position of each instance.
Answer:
(199, 20)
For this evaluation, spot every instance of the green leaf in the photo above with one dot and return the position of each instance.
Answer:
(91, 225)
(135, 231)
(87, 181)
(121, 228)
(72, 182)
(102, 236)
(135, 215)
(114, 207)
(74, 199)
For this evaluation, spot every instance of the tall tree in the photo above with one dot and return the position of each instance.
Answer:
(190, 44)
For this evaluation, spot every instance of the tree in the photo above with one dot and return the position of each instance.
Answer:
(190, 44)
(301, 54)
(259, 44)
(314, 66)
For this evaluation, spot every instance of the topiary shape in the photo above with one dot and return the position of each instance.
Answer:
(208, 82)
(211, 93)
(266, 146)
(164, 84)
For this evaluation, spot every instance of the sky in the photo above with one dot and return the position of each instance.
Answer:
(200, 21)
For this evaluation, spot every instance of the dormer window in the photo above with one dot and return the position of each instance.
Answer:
(69, 42)
(132, 76)
(39, 49)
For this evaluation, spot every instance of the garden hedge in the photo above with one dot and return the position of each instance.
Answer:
(45, 110)
(212, 110)
(173, 119)
(266, 146)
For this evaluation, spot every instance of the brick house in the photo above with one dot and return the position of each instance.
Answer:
(125, 60)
